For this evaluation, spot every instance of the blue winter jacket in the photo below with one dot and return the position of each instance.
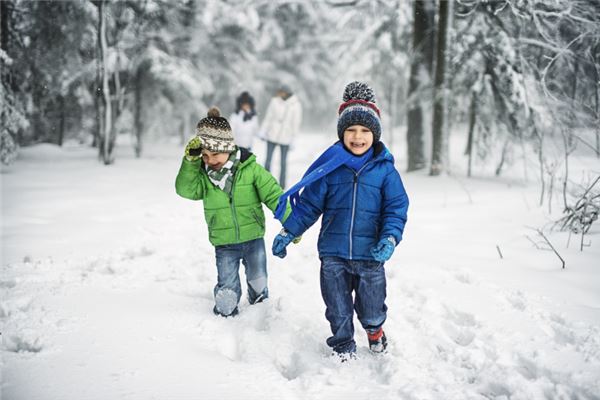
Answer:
(359, 208)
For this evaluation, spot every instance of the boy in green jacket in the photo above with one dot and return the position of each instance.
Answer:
(233, 187)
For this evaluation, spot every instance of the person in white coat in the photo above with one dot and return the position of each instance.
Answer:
(244, 121)
(280, 126)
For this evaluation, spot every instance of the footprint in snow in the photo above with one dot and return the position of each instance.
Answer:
(8, 283)
(289, 364)
(25, 341)
(517, 300)
(463, 277)
(461, 336)
(137, 253)
(458, 326)
(461, 318)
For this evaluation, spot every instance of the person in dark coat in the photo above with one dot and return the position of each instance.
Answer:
(355, 186)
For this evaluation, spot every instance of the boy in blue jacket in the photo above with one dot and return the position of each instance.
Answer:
(357, 189)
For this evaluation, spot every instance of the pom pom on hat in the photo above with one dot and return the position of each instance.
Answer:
(358, 91)
(359, 108)
(213, 112)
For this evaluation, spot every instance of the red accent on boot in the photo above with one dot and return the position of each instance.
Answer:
(375, 335)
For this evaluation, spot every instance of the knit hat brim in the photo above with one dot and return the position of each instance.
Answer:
(213, 140)
(359, 114)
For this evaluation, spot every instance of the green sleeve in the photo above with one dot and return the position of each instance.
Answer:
(191, 181)
(268, 189)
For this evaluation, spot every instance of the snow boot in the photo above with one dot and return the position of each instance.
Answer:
(233, 313)
(259, 299)
(377, 341)
(344, 357)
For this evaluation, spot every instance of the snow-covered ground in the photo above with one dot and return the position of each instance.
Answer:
(107, 280)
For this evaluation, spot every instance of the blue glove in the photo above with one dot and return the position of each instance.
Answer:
(280, 243)
(384, 249)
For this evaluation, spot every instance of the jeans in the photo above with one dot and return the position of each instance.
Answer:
(339, 278)
(228, 290)
(284, 150)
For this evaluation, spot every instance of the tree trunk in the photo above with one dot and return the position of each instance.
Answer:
(392, 100)
(138, 121)
(105, 148)
(98, 122)
(573, 118)
(37, 126)
(472, 119)
(4, 24)
(62, 123)
(420, 47)
(439, 95)
(597, 96)
(503, 156)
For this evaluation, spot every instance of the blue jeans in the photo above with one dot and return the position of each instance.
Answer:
(341, 277)
(228, 290)
(284, 150)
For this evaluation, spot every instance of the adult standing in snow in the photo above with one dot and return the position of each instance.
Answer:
(280, 126)
(233, 188)
(244, 121)
(357, 189)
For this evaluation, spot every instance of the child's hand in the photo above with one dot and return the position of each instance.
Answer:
(193, 150)
(297, 239)
(280, 243)
(384, 249)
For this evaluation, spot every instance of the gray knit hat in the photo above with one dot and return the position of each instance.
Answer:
(215, 132)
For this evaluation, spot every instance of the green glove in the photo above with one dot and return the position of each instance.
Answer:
(193, 150)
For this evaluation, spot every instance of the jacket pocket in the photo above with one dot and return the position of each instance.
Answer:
(326, 225)
(258, 219)
(211, 220)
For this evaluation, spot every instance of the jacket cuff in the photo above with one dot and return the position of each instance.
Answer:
(292, 226)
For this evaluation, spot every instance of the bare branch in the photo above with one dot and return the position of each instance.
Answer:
(533, 242)
(560, 53)
(552, 247)
(499, 252)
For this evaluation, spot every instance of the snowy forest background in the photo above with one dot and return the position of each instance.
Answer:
(490, 108)
(514, 72)
(520, 78)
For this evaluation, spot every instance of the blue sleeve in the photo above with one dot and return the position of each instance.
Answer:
(395, 206)
(309, 208)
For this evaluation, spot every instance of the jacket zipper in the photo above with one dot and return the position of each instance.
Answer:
(353, 209)
(354, 204)
(232, 205)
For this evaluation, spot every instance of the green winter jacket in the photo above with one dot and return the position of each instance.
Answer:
(237, 219)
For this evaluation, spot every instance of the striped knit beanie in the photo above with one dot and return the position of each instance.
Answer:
(359, 108)
(215, 132)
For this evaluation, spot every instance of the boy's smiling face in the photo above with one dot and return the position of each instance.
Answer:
(215, 161)
(358, 139)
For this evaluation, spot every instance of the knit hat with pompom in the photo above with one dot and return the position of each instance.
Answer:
(359, 108)
(215, 132)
